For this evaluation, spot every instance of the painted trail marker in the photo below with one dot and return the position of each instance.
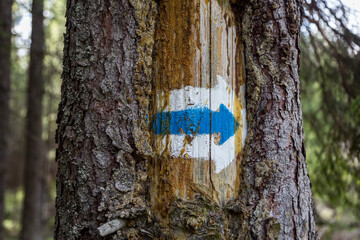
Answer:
(195, 118)
(199, 118)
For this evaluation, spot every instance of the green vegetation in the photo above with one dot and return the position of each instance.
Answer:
(330, 77)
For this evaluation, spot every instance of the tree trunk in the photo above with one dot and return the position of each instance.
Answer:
(31, 220)
(102, 133)
(275, 195)
(125, 172)
(5, 49)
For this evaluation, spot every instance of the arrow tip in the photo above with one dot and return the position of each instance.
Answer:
(225, 123)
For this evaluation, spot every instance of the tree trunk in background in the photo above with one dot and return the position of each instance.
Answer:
(31, 220)
(108, 170)
(5, 49)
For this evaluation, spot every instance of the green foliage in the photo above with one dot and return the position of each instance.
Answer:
(13, 206)
(331, 108)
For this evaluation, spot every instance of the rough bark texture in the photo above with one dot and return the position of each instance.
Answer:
(275, 200)
(104, 154)
(31, 220)
(5, 49)
(102, 132)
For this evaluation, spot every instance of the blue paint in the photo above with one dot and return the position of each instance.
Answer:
(196, 121)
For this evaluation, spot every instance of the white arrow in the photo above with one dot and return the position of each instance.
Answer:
(201, 145)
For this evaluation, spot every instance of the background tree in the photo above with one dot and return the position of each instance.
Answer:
(54, 24)
(32, 211)
(5, 49)
(330, 72)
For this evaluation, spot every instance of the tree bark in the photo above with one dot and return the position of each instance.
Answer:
(108, 171)
(31, 220)
(102, 132)
(5, 49)
(275, 197)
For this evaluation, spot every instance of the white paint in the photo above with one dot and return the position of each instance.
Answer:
(193, 97)
(190, 97)
(111, 227)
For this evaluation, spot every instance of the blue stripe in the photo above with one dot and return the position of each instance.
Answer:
(196, 121)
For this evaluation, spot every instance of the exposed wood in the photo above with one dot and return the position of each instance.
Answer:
(195, 68)
(226, 50)
(181, 65)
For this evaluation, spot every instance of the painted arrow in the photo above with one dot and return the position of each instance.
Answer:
(196, 121)
(199, 112)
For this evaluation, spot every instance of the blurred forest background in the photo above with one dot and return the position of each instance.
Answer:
(330, 78)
